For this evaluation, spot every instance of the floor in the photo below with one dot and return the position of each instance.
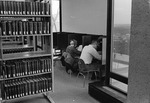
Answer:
(69, 89)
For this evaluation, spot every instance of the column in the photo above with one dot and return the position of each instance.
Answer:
(139, 72)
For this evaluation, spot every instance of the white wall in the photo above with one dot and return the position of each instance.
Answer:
(84, 16)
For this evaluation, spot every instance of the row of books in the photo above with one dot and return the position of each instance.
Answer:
(11, 40)
(24, 8)
(26, 86)
(24, 27)
(25, 67)
(17, 50)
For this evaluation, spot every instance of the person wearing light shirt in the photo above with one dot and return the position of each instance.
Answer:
(89, 53)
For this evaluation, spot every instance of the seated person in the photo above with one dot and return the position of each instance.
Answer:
(79, 48)
(62, 59)
(71, 57)
(89, 53)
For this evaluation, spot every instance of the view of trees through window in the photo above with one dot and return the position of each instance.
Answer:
(121, 38)
(120, 41)
(55, 15)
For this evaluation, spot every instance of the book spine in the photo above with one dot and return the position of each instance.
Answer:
(47, 9)
(19, 8)
(24, 28)
(36, 8)
(15, 8)
(39, 66)
(27, 27)
(20, 28)
(42, 8)
(8, 91)
(4, 28)
(28, 8)
(49, 65)
(12, 85)
(31, 67)
(1, 7)
(31, 27)
(9, 28)
(47, 27)
(9, 7)
(13, 71)
(24, 8)
(12, 7)
(1, 71)
(39, 8)
(19, 69)
(14, 28)
(5, 7)
(35, 28)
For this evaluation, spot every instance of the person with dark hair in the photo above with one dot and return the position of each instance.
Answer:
(71, 55)
(89, 53)
(72, 49)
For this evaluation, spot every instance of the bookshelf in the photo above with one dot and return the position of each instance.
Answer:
(26, 42)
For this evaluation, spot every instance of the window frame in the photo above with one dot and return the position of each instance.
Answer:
(109, 73)
(60, 18)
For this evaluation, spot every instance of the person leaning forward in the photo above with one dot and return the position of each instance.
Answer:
(89, 53)
(72, 54)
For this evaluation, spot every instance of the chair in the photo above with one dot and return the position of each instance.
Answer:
(67, 61)
(84, 72)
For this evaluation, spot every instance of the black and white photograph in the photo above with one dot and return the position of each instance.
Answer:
(74, 51)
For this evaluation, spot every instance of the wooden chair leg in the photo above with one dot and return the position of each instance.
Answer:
(83, 77)
(78, 75)
(84, 80)
(95, 75)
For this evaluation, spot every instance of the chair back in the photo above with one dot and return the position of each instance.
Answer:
(64, 54)
(81, 65)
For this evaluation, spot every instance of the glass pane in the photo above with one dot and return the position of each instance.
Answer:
(119, 85)
(55, 15)
(121, 37)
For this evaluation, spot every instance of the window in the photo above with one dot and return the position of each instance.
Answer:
(56, 15)
(120, 37)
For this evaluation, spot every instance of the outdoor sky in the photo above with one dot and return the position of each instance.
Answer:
(122, 11)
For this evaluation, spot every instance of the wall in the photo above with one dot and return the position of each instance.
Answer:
(139, 72)
(84, 16)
